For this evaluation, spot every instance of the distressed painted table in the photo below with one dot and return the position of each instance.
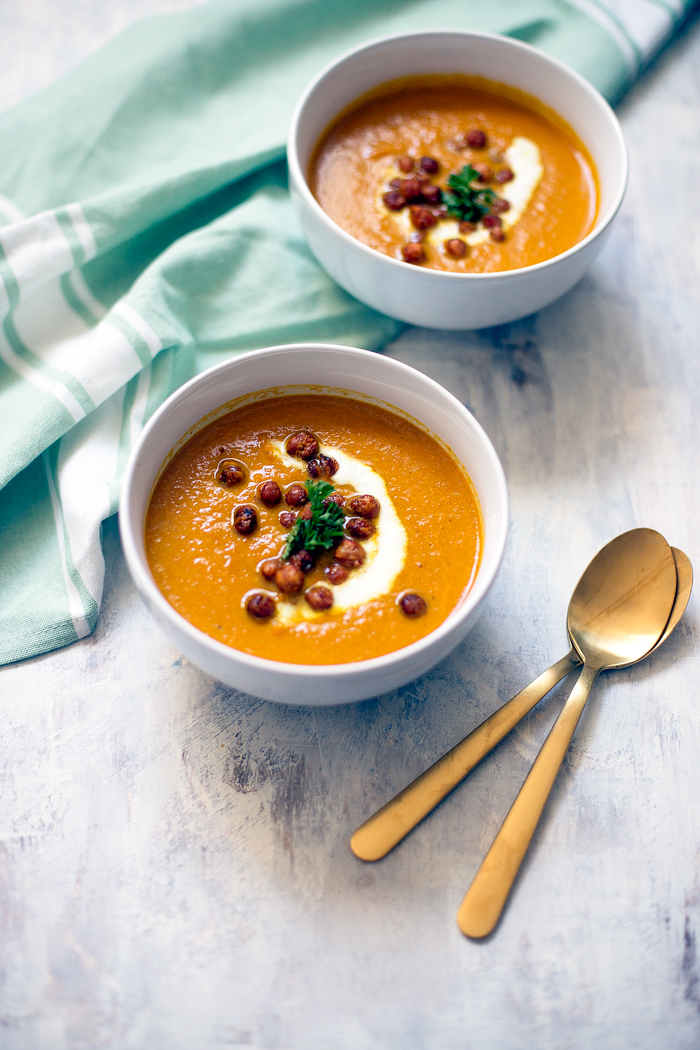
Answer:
(174, 868)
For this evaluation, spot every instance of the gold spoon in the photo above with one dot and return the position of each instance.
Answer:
(390, 824)
(617, 613)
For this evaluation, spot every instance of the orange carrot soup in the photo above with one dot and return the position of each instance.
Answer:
(313, 528)
(456, 173)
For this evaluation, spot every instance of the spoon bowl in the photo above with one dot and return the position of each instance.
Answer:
(623, 601)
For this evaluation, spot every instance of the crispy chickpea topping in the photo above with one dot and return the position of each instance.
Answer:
(365, 505)
(319, 598)
(337, 574)
(287, 519)
(405, 164)
(504, 175)
(422, 218)
(270, 567)
(260, 606)
(245, 520)
(476, 138)
(350, 554)
(456, 247)
(296, 496)
(322, 466)
(394, 200)
(230, 474)
(412, 604)
(412, 253)
(360, 528)
(303, 560)
(289, 579)
(270, 493)
(303, 444)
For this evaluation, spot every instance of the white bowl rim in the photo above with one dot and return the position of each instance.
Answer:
(602, 222)
(143, 578)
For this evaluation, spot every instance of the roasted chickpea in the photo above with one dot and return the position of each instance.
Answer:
(456, 247)
(270, 493)
(319, 598)
(322, 466)
(287, 519)
(476, 138)
(504, 175)
(429, 164)
(360, 528)
(270, 567)
(337, 574)
(296, 496)
(365, 505)
(412, 253)
(412, 604)
(245, 520)
(394, 200)
(350, 554)
(260, 605)
(303, 444)
(230, 474)
(303, 560)
(422, 218)
(289, 579)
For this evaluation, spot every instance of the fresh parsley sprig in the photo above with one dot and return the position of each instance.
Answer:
(323, 529)
(466, 202)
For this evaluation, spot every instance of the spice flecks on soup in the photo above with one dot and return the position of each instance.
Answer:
(456, 173)
(346, 531)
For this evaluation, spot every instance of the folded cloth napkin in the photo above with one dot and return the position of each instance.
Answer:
(147, 234)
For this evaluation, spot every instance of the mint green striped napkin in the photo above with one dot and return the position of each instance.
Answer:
(147, 234)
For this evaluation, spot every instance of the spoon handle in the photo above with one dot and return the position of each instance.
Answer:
(482, 906)
(385, 829)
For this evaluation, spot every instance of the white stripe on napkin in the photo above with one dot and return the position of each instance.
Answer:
(75, 605)
(137, 322)
(36, 250)
(37, 378)
(82, 229)
(86, 467)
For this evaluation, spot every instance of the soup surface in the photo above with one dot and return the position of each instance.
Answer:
(234, 510)
(456, 173)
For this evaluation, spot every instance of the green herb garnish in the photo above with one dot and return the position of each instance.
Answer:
(465, 202)
(323, 529)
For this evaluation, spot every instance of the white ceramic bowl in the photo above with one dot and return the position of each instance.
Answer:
(348, 369)
(418, 294)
